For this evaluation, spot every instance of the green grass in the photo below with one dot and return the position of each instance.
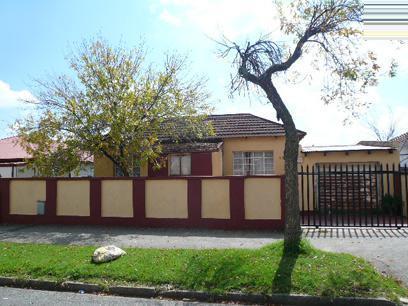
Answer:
(266, 270)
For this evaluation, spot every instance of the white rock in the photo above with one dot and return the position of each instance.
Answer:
(107, 253)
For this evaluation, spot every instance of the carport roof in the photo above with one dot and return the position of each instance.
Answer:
(342, 148)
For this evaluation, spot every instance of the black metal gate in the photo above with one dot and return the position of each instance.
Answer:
(354, 195)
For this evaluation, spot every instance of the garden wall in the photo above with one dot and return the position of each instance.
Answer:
(204, 202)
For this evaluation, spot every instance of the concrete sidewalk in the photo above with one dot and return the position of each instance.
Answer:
(387, 249)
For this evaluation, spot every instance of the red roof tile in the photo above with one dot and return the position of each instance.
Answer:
(11, 149)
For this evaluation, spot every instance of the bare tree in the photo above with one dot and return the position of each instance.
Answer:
(330, 32)
(387, 133)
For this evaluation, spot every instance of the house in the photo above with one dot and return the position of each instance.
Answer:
(401, 142)
(359, 155)
(243, 144)
(13, 161)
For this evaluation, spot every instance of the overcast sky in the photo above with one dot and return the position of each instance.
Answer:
(38, 35)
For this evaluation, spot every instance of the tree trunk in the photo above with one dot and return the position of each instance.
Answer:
(292, 233)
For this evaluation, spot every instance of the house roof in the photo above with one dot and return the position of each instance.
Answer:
(376, 143)
(339, 148)
(401, 138)
(10, 149)
(245, 124)
(191, 147)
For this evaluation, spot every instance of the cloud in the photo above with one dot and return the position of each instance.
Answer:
(10, 98)
(232, 18)
(169, 18)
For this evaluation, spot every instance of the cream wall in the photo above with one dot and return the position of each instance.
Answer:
(262, 198)
(166, 199)
(73, 198)
(117, 198)
(215, 199)
(103, 166)
(254, 144)
(24, 196)
(216, 160)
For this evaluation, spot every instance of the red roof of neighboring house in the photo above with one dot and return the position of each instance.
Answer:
(10, 149)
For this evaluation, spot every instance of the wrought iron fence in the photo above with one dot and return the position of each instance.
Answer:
(355, 195)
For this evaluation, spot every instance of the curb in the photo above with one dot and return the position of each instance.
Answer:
(151, 292)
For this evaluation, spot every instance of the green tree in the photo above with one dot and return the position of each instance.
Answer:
(326, 32)
(116, 105)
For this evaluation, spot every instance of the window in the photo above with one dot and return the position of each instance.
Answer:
(253, 163)
(119, 172)
(180, 165)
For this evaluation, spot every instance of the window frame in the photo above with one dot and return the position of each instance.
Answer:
(179, 156)
(248, 162)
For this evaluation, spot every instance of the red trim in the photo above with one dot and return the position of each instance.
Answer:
(95, 198)
(237, 204)
(51, 198)
(4, 198)
(194, 199)
(139, 195)
(201, 163)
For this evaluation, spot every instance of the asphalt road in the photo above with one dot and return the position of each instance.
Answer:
(15, 296)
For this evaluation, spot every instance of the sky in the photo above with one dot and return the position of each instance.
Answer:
(37, 36)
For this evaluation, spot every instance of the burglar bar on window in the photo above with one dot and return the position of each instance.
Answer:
(386, 19)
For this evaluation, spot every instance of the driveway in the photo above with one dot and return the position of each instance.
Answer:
(387, 249)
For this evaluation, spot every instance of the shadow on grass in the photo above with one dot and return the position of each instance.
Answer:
(282, 282)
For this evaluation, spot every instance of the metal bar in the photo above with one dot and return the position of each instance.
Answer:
(359, 193)
(347, 197)
(341, 194)
(406, 191)
(371, 194)
(303, 200)
(400, 182)
(319, 199)
(335, 195)
(388, 192)
(382, 194)
(314, 195)
(353, 194)
(325, 195)
(308, 194)
(330, 196)
(365, 194)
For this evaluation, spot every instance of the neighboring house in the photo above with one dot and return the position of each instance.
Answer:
(243, 144)
(402, 142)
(13, 161)
(362, 154)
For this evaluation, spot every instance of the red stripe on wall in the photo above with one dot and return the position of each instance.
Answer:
(237, 205)
(4, 198)
(139, 196)
(51, 198)
(95, 198)
(194, 200)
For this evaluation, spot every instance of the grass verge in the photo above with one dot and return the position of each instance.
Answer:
(266, 270)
